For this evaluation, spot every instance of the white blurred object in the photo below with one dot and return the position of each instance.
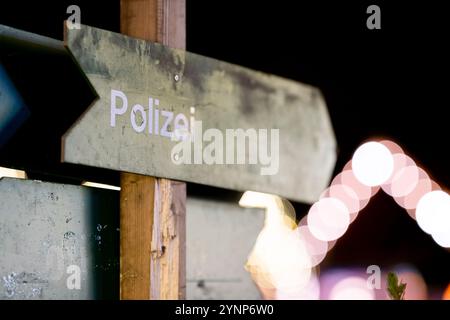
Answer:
(352, 288)
(433, 212)
(12, 173)
(100, 185)
(279, 259)
(309, 292)
(328, 219)
(372, 164)
(252, 199)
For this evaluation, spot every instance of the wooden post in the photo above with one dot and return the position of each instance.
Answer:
(153, 210)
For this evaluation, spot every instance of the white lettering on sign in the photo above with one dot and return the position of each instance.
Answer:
(141, 119)
(114, 110)
(236, 146)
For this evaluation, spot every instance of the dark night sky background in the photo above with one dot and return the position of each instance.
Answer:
(389, 83)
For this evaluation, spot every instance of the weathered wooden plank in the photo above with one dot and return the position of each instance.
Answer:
(162, 21)
(45, 228)
(168, 263)
(224, 96)
(139, 19)
(136, 223)
(153, 213)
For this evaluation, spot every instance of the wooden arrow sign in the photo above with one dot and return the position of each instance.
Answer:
(174, 114)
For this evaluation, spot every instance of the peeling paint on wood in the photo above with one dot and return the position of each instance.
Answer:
(167, 278)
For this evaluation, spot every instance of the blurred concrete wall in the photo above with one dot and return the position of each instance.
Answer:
(220, 236)
(46, 227)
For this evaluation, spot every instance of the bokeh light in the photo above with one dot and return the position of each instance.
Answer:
(328, 219)
(416, 288)
(446, 295)
(404, 181)
(345, 194)
(433, 212)
(422, 187)
(316, 249)
(352, 288)
(442, 238)
(363, 192)
(372, 164)
(309, 292)
(392, 146)
(285, 254)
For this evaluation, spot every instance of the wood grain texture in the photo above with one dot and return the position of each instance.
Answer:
(136, 224)
(168, 275)
(161, 21)
(139, 19)
(152, 210)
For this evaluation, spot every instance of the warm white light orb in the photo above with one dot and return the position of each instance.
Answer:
(311, 291)
(12, 173)
(252, 199)
(279, 260)
(433, 212)
(442, 238)
(372, 164)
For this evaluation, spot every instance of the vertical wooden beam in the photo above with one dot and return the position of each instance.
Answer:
(168, 260)
(153, 210)
(137, 198)
(161, 21)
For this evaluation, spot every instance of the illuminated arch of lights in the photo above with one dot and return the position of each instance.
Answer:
(284, 249)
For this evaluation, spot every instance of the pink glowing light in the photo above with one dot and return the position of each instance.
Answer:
(405, 181)
(352, 288)
(401, 161)
(347, 196)
(328, 219)
(423, 186)
(317, 249)
(392, 146)
(416, 286)
(364, 193)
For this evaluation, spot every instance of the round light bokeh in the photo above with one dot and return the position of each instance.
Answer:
(317, 249)
(433, 212)
(372, 164)
(423, 186)
(311, 291)
(392, 146)
(352, 288)
(283, 258)
(363, 192)
(442, 238)
(328, 219)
